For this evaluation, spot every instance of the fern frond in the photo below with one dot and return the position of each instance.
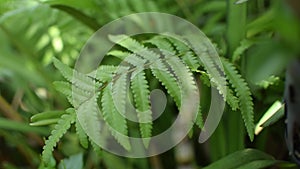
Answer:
(119, 89)
(83, 139)
(199, 118)
(78, 79)
(74, 95)
(167, 79)
(116, 122)
(245, 44)
(59, 130)
(231, 99)
(104, 73)
(141, 95)
(135, 61)
(243, 92)
(134, 46)
(89, 116)
(185, 52)
(180, 70)
(118, 54)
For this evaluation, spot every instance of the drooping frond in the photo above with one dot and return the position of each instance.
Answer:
(141, 95)
(116, 122)
(244, 95)
(59, 130)
(174, 64)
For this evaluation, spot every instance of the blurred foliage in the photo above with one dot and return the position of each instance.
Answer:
(259, 36)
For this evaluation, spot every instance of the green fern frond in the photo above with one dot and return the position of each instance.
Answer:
(83, 139)
(78, 79)
(118, 54)
(59, 130)
(89, 116)
(104, 73)
(245, 44)
(117, 123)
(141, 95)
(199, 119)
(180, 70)
(74, 95)
(244, 96)
(126, 42)
(134, 60)
(231, 99)
(185, 52)
(167, 79)
(134, 46)
(119, 89)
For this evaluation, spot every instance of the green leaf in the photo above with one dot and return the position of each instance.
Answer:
(116, 122)
(160, 71)
(272, 115)
(83, 139)
(47, 115)
(244, 95)
(141, 95)
(89, 116)
(59, 130)
(250, 158)
(185, 53)
(76, 78)
(75, 95)
(245, 44)
(119, 89)
(21, 127)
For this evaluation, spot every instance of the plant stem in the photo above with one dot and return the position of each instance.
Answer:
(236, 24)
(236, 32)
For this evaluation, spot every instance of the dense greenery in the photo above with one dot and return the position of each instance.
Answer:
(43, 98)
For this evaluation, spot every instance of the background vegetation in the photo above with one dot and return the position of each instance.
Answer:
(259, 37)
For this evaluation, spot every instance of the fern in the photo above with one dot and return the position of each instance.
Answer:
(89, 116)
(117, 123)
(59, 130)
(104, 73)
(182, 50)
(243, 92)
(158, 68)
(119, 89)
(174, 65)
(83, 139)
(75, 95)
(141, 93)
(78, 79)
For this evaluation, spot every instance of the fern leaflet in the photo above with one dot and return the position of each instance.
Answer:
(116, 122)
(59, 130)
(83, 139)
(243, 92)
(141, 96)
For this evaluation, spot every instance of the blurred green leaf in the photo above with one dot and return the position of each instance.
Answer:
(246, 159)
